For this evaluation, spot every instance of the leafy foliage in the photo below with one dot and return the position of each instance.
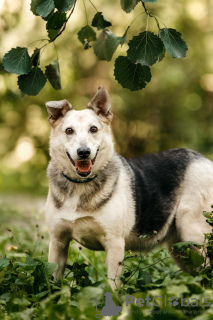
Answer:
(100, 22)
(132, 76)
(28, 290)
(33, 82)
(33, 6)
(106, 45)
(85, 35)
(53, 74)
(56, 21)
(128, 6)
(173, 43)
(17, 61)
(145, 49)
(45, 7)
(64, 5)
(35, 57)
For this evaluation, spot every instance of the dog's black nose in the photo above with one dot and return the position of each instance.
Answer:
(83, 153)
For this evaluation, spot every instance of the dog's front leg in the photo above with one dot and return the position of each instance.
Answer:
(58, 253)
(114, 248)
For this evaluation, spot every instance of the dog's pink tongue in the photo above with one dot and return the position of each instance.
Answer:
(83, 165)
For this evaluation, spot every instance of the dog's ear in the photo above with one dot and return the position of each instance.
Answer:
(57, 110)
(100, 103)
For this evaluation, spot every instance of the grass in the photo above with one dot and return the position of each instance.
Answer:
(28, 291)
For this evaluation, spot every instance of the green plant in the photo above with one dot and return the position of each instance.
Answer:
(131, 71)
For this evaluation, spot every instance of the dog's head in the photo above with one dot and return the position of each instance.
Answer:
(80, 141)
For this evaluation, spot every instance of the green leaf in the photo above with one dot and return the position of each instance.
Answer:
(17, 60)
(132, 76)
(151, 1)
(33, 6)
(196, 259)
(52, 33)
(160, 58)
(85, 35)
(173, 42)
(32, 83)
(35, 57)
(52, 73)
(50, 268)
(64, 5)
(49, 16)
(181, 246)
(56, 21)
(31, 261)
(4, 263)
(41, 294)
(144, 276)
(128, 5)
(45, 7)
(22, 302)
(124, 37)
(100, 22)
(145, 48)
(106, 45)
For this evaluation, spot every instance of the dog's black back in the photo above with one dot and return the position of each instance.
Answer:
(156, 183)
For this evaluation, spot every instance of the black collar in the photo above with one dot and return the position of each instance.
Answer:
(78, 181)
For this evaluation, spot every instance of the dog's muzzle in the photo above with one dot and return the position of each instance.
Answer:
(83, 166)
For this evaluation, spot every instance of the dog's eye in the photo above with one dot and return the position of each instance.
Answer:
(93, 129)
(69, 131)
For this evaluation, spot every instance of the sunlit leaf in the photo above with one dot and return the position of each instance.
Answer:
(56, 21)
(64, 5)
(17, 60)
(53, 74)
(4, 263)
(196, 259)
(106, 45)
(50, 268)
(132, 76)
(173, 42)
(33, 6)
(145, 48)
(32, 83)
(181, 246)
(52, 33)
(35, 57)
(45, 7)
(100, 22)
(128, 5)
(143, 275)
(85, 35)
(124, 37)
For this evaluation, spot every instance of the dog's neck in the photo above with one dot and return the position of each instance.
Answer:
(67, 181)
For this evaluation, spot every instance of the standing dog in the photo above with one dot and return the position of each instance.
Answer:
(105, 202)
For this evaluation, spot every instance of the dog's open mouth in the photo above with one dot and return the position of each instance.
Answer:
(83, 167)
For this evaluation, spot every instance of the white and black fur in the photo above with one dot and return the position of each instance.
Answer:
(160, 195)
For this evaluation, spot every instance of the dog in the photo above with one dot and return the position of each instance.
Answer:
(106, 202)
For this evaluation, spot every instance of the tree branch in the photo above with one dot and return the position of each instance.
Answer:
(143, 4)
(65, 24)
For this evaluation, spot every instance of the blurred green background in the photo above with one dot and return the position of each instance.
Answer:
(174, 110)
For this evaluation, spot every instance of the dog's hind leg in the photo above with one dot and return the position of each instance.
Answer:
(190, 226)
(58, 253)
(114, 248)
